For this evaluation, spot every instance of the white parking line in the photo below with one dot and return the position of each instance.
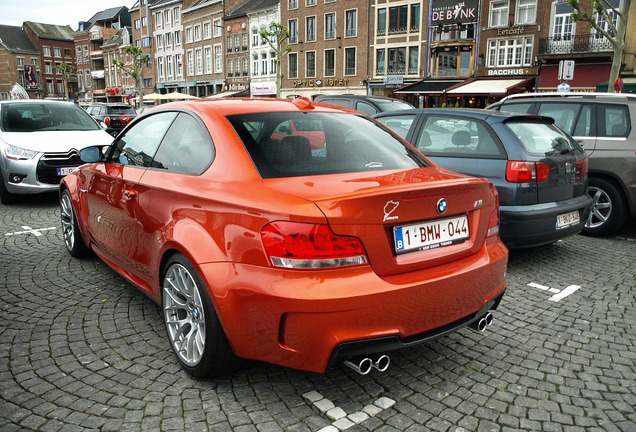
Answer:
(558, 294)
(29, 230)
(340, 419)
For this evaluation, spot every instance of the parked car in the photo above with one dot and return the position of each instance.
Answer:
(603, 124)
(539, 171)
(112, 116)
(39, 144)
(265, 249)
(367, 104)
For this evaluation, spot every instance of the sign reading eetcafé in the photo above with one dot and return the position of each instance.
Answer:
(447, 12)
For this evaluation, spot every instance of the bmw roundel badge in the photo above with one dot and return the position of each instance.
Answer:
(442, 205)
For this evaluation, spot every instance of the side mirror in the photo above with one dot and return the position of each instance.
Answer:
(90, 154)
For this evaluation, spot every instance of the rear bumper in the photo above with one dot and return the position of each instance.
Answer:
(307, 320)
(535, 225)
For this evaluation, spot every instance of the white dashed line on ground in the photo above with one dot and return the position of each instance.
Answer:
(558, 294)
(29, 230)
(340, 419)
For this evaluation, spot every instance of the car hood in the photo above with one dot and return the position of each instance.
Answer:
(56, 141)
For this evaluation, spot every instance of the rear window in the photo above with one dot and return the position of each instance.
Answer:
(326, 143)
(395, 105)
(542, 139)
(123, 109)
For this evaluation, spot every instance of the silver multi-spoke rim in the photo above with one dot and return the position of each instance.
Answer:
(184, 314)
(601, 207)
(68, 225)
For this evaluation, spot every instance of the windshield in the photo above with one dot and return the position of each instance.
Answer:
(295, 144)
(543, 139)
(43, 116)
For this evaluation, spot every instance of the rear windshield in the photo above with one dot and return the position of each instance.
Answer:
(123, 109)
(396, 105)
(289, 144)
(43, 116)
(542, 139)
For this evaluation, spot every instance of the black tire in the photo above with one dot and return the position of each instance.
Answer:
(188, 313)
(6, 197)
(609, 210)
(73, 239)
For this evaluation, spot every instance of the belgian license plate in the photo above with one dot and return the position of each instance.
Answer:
(566, 219)
(65, 171)
(431, 234)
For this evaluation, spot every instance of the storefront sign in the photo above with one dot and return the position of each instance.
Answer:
(445, 12)
(506, 72)
(511, 31)
(263, 88)
(394, 79)
(331, 82)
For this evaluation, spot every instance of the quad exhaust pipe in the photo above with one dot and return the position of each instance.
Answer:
(364, 365)
(483, 322)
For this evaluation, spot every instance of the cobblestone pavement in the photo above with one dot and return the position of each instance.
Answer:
(80, 349)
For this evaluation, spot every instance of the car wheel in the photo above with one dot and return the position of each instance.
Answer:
(608, 208)
(6, 197)
(70, 230)
(193, 328)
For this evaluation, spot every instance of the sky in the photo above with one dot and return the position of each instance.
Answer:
(61, 12)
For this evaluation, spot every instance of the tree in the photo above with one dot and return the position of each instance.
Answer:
(134, 67)
(67, 71)
(602, 19)
(276, 37)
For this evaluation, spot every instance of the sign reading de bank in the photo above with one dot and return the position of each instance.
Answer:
(447, 12)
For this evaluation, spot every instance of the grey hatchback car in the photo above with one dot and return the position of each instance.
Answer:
(539, 171)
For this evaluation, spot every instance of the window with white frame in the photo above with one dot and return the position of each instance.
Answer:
(208, 60)
(60, 87)
(292, 4)
(350, 61)
(166, 17)
(177, 38)
(207, 30)
(498, 14)
(176, 12)
(563, 27)
(188, 35)
(256, 37)
(292, 65)
(272, 63)
(310, 25)
(351, 22)
(330, 25)
(48, 67)
(218, 58)
(246, 40)
(217, 28)
(415, 17)
(310, 2)
(190, 62)
(381, 21)
(158, 19)
(292, 28)
(199, 60)
(310, 64)
(87, 79)
(601, 20)
(160, 70)
(237, 62)
(178, 65)
(510, 52)
(168, 40)
(85, 49)
(330, 62)
(159, 40)
(46, 51)
(230, 68)
(197, 32)
(169, 67)
(57, 52)
(264, 63)
(246, 65)
(78, 54)
(255, 70)
(526, 12)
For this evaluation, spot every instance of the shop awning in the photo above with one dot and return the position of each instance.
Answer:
(428, 86)
(586, 77)
(629, 86)
(492, 87)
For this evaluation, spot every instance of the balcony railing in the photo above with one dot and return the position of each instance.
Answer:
(574, 44)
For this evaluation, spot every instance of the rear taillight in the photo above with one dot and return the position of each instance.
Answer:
(581, 167)
(107, 121)
(493, 220)
(310, 246)
(124, 119)
(524, 171)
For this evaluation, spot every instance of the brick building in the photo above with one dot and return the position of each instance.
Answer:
(17, 56)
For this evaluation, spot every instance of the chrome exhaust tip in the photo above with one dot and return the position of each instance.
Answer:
(483, 322)
(382, 363)
(361, 365)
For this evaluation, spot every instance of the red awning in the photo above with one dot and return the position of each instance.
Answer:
(586, 76)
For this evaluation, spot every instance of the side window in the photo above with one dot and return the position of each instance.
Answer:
(613, 121)
(564, 114)
(137, 147)
(458, 137)
(340, 102)
(187, 147)
(585, 123)
(401, 124)
(366, 108)
(521, 108)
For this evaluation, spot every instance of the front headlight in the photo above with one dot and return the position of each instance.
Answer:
(18, 153)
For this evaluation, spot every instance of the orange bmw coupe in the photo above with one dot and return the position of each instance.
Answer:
(269, 247)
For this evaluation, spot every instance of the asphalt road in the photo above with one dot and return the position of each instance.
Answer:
(81, 349)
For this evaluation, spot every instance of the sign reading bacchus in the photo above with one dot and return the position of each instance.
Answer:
(447, 12)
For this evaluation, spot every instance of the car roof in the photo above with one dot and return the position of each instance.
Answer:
(493, 116)
(231, 106)
(570, 95)
(352, 96)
